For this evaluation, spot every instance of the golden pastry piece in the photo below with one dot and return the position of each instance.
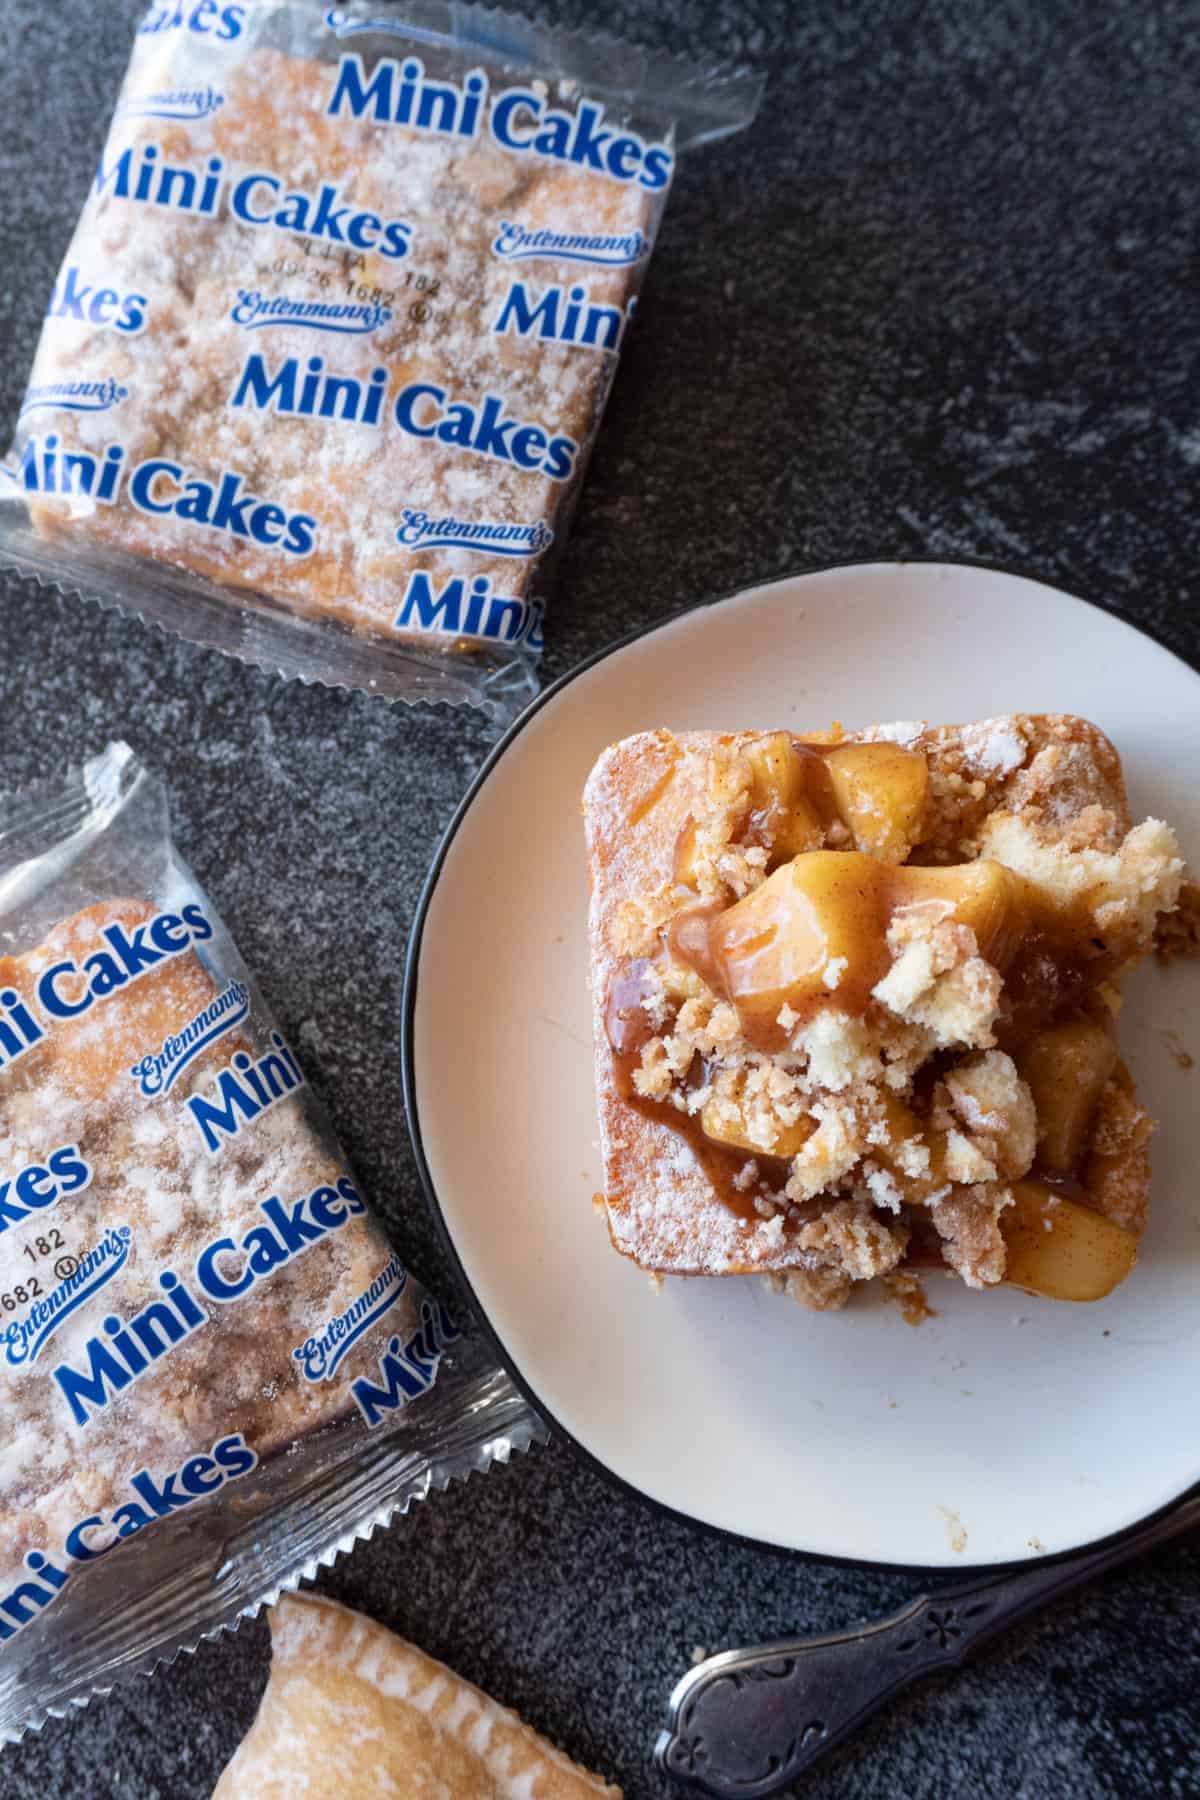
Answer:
(353, 1710)
(855, 999)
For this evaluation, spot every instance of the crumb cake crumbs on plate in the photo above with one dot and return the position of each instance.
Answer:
(855, 999)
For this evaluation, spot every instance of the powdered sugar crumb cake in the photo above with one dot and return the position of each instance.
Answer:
(329, 348)
(145, 1192)
(855, 999)
(216, 381)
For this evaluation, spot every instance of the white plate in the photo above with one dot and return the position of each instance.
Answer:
(1006, 1425)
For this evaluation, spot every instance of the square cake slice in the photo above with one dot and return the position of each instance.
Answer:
(854, 1000)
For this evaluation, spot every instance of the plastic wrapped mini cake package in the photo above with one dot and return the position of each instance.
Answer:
(215, 1371)
(328, 351)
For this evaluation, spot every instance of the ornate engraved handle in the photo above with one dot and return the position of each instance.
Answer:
(747, 1723)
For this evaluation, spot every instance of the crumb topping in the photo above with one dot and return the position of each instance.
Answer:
(938, 980)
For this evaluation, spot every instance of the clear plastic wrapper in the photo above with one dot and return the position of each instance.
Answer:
(215, 1372)
(330, 346)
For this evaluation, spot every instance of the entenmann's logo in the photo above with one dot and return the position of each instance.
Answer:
(420, 530)
(255, 310)
(320, 1355)
(75, 396)
(24, 1339)
(515, 243)
(341, 23)
(174, 103)
(157, 1071)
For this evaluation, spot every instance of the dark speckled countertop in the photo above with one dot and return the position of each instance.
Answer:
(940, 299)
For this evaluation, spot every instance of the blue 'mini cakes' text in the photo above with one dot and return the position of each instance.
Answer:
(144, 174)
(151, 1497)
(67, 988)
(520, 120)
(158, 487)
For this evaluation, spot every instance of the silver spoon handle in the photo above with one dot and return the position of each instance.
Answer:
(747, 1723)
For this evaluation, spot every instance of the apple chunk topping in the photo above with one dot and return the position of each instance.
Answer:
(881, 792)
(1067, 1068)
(796, 796)
(815, 934)
(1060, 1248)
(789, 800)
(813, 929)
(869, 983)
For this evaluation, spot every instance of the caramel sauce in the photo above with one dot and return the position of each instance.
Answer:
(720, 1164)
(1068, 1186)
(769, 815)
(773, 948)
(1051, 976)
(689, 939)
(627, 1024)
(924, 1243)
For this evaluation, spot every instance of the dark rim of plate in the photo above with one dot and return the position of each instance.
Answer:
(940, 1571)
